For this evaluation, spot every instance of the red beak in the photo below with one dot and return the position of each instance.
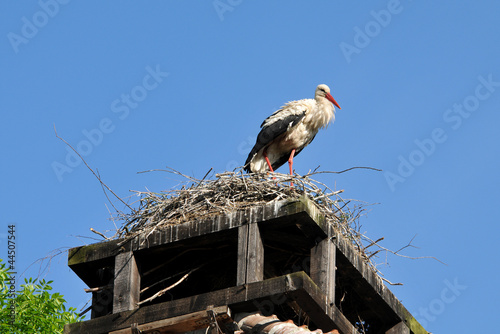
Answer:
(332, 100)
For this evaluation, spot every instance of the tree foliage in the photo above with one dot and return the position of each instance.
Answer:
(32, 308)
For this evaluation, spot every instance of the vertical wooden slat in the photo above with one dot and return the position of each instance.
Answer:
(323, 261)
(127, 284)
(250, 255)
(400, 328)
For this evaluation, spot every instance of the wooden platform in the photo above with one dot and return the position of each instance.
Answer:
(282, 258)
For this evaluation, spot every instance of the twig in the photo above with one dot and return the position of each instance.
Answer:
(204, 177)
(169, 170)
(342, 171)
(100, 288)
(46, 261)
(374, 253)
(105, 193)
(99, 233)
(374, 242)
(361, 323)
(85, 311)
(401, 255)
(85, 162)
(389, 282)
(160, 281)
(161, 292)
(408, 245)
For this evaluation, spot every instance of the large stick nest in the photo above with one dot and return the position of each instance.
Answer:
(197, 199)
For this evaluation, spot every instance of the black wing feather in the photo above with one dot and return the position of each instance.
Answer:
(270, 133)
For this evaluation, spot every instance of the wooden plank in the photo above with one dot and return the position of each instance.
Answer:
(271, 293)
(95, 252)
(323, 265)
(181, 324)
(323, 268)
(127, 283)
(400, 328)
(342, 324)
(250, 266)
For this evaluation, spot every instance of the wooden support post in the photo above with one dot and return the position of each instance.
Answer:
(127, 283)
(400, 328)
(323, 262)
(250, 255)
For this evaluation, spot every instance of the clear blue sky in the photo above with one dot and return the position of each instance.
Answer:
(144, 85)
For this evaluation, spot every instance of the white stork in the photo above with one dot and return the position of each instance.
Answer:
(288, 130)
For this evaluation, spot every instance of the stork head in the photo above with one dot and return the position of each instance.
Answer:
(323, 91)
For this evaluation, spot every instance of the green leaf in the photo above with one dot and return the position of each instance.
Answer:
(37, 310)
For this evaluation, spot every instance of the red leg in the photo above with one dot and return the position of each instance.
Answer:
(267, 160)
(290, 164)
(290, 161)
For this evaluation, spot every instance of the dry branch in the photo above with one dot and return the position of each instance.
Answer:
(99, 233)
(162, 292)
(96, 175)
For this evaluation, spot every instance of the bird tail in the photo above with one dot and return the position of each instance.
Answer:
(246, 168)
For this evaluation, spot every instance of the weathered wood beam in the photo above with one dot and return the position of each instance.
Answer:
(250, 266)
(127, 283)
(181, 324)
(270, 294)
(94, 252)
(323, 266)
(400, 328)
